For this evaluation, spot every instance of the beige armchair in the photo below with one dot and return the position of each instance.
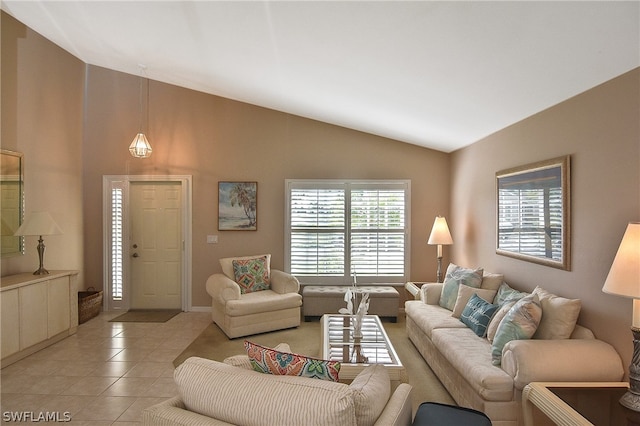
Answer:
(242, 314)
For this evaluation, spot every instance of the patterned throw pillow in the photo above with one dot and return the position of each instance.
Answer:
(271, 361)
(252, 274)
(520, 323)
(455, 276)
(477, 314)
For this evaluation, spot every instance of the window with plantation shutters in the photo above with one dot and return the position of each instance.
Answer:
(526, 226)
(337, 228)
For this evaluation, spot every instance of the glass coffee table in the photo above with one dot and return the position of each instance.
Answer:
(374, 347)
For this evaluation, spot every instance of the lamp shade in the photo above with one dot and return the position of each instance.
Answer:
(140, 147)
(624, 275)
(440, 232)
(39, 223)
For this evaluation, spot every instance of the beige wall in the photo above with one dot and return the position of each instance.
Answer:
(42, 98)
(601, 132)
(216, 139)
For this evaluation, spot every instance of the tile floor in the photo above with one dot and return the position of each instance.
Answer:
(105, 374)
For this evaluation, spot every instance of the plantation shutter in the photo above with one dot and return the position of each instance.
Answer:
(337, 228)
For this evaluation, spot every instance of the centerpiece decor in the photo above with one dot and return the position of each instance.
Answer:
(351, 298)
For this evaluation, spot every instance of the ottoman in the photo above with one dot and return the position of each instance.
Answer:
(318, 300)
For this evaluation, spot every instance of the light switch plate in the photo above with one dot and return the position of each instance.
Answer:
(212, 239)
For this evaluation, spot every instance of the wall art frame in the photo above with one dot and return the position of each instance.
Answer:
(237, 206)
(533, 212)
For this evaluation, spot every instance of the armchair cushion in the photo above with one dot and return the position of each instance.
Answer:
(251, 274)
(272, 361)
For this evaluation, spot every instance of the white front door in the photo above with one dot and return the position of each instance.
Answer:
(156, 245)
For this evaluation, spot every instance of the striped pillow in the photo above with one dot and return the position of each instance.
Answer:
(271, 361)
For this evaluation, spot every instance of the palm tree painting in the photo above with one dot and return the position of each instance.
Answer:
(237, 206)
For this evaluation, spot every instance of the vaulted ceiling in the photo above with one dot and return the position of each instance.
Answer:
(436, 74)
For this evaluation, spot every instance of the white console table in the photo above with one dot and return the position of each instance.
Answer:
(37, 311)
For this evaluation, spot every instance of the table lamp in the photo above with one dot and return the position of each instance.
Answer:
(624, 280)
(39, 223)
(440, 235)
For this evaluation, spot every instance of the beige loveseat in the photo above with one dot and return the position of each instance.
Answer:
(463, 361)
(215, 393)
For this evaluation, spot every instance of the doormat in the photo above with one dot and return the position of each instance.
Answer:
(147, 315)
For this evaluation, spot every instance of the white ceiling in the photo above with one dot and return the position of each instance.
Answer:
(437, 74)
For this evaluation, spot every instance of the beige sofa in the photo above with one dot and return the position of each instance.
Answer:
(215, 393)
(463, 362)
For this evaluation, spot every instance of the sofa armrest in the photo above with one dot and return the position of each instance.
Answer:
(283, 282)
(173, 412)
(397, 412)
(222, 288)
(565, 360)
(430, 293)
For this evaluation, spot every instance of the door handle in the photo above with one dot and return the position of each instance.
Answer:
(136, 255)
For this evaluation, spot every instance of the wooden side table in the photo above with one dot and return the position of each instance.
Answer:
(576, 404)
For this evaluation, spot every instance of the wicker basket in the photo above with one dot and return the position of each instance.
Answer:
(89, 304)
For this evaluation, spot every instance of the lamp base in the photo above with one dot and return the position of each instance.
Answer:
(41, 247)
(439, 271)
(631, 399)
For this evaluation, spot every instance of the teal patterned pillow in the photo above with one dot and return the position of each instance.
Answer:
(477, 314)
(455, 276)
(271, 361)
(520, 323)
(506, 293)
(252, 274)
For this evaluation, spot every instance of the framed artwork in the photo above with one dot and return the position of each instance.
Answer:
(237, 206)
(533, 212)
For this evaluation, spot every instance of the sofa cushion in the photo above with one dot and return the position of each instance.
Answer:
(271, 361)
(251, 274)
(227, 263)
(430, 317)
(464, 294)
(455, 276)
(224, 392)
(559, 315)
(497, 319)
(477, 314)
(520, 323)
(372, 388)
(491, 281)
(505, 292)
(470, 356)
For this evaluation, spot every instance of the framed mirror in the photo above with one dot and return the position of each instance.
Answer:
(12, 202)
(533, 212)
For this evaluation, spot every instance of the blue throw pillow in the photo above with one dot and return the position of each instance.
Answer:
(477, 314)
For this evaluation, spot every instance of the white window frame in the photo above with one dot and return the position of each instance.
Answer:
(348, 184)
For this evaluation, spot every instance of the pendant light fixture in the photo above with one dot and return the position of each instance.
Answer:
(140, 147)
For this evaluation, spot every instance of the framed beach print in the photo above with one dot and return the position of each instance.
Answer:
(237, 206)
(533, 212)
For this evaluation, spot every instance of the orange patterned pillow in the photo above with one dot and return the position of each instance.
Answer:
(252, 274)
(271, 361)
